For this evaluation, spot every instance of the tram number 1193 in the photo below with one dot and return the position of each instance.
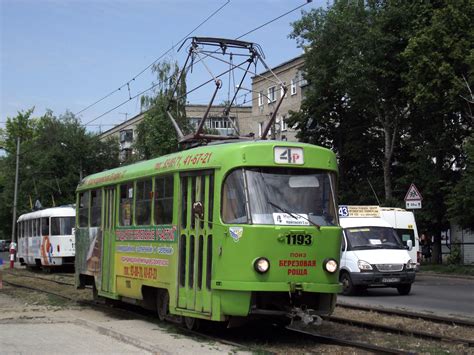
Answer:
(299, 239)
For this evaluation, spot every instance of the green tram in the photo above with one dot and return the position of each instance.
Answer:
(218, 232)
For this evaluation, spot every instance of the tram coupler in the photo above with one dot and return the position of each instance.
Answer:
(302, 318)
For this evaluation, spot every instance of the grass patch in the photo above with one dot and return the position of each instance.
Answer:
(449, 269)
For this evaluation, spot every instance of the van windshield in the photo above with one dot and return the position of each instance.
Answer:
(279, 196)
(360, 238)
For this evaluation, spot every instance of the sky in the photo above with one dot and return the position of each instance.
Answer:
(66, 54)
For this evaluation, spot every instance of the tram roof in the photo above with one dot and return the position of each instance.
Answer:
(61, 211)
(225, 155)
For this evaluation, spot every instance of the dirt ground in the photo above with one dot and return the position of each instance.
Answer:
(271, 339)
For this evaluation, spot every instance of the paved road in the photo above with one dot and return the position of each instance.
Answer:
(443, 295)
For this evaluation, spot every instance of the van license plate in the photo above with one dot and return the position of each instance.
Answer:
(390, 279)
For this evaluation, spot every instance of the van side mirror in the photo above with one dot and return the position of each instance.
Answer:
(409, 245)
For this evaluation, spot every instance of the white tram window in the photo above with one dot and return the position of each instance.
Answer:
(45, 226)
(143, 202)
(84, 209)
(62, 225)
(164, 199)
(126, 204)
(96, 207)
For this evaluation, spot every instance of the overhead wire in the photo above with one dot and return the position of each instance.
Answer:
(127, 84)
(200, 59)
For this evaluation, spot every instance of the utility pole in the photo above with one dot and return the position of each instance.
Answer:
(16, 189)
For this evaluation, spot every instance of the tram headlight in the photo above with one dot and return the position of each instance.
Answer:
(261, 265)
(330, 265)
(364, 265)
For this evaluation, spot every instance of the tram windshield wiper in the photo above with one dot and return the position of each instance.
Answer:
(284, 210)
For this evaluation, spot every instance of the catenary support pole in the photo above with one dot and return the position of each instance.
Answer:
(16, 189)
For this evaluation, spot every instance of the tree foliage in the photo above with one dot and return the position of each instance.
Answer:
(389, 91)
(156, 134)
(54, 153)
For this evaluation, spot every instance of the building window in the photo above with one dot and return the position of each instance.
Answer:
(126, 136)
(283, 124)
(293, 87)
(282, 89)
(260, 98)
(271, 94)
(260, 129)
(301, 80)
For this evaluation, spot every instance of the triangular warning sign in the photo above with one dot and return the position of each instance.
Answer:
(413, 194)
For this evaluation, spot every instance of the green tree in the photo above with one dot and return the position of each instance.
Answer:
(54, 153)
(440, 58)
(354, 104)
(156, 135)
(461, 198)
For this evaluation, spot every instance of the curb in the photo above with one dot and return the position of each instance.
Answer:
(449, 276)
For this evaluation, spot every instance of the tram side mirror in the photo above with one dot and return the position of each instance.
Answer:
(409, 245)
(198, 210)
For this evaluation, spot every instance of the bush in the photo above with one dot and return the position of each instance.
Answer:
(454, 258)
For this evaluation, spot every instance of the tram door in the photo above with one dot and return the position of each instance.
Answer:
(107, 240)
(195, 241)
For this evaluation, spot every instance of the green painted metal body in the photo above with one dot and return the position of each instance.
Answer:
(217, 278)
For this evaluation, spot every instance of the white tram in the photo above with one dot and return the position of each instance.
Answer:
(46, 237)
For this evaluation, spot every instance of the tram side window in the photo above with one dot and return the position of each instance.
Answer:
(143, 202)
(35, 227)
(96, 205)
(84, 209)
(164, 199)
(233, 198)
(45, 226)
(126, 204)
(62, 225)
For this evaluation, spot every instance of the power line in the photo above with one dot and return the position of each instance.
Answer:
(127, 84)
(153, 86)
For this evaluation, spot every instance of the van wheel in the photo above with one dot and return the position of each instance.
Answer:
(404, 289)
(348, 287)
(162, 304)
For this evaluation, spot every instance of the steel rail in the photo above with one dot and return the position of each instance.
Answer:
(95, 304)
(38, 278)
(392, 329)
(344, 342)
(410, 314)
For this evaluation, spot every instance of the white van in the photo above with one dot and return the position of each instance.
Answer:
(404, 223)
(372, 255)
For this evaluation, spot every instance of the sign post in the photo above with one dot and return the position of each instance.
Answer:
(413, 198)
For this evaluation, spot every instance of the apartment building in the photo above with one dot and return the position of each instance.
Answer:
(266, 92)
(126, 132)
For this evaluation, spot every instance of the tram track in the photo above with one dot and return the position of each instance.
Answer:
(314, 334)
(59, 282)
(405, 332)
(409, 314)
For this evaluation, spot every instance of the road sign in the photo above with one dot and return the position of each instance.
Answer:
(412, 205)
(413, 194)
(413, 198)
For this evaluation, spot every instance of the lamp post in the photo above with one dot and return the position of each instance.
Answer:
(15, 194)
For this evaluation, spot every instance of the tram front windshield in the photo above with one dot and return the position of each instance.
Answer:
(363, 238)
(279, 196)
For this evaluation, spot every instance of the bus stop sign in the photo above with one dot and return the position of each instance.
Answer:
(413, 198)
